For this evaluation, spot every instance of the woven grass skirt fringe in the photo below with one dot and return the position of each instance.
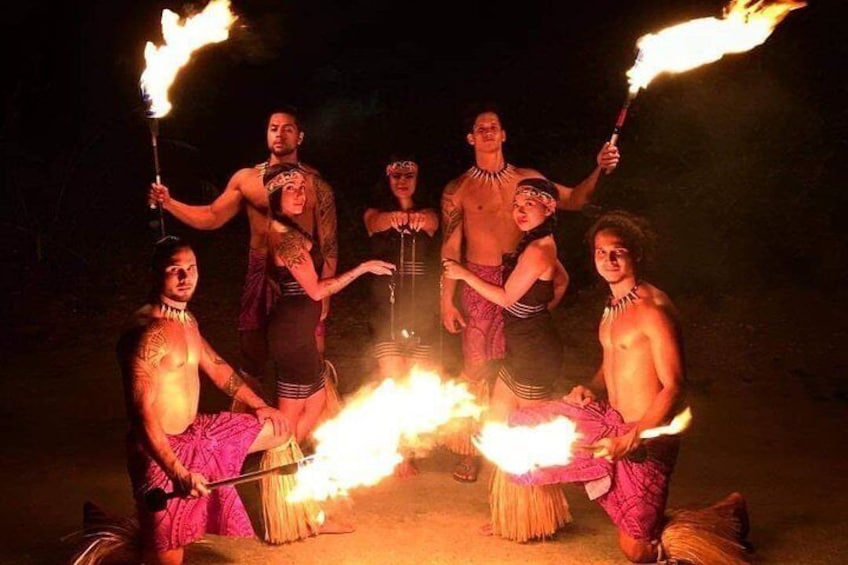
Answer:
(703, 537)
(523, 513)
(285, 521)
(457, 437)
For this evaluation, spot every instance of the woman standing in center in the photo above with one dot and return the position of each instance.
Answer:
(300, 381)
(535, 283)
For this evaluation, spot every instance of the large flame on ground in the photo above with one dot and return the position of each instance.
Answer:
(212, 25)
(745, 24)
(364, 442)
(520, 449)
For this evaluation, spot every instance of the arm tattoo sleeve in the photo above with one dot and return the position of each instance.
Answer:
(290, 249)
(451, 212)
(234, 383)
(327, 227)
(152, 348)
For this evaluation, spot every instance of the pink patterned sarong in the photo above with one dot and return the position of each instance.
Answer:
(257, 297)
(483, 336)
(215, 445)
(633, 494)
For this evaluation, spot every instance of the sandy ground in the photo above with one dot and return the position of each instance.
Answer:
(768, 392)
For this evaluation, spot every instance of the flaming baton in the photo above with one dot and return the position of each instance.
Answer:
(675, 49)
(521, 449)
(181, 40)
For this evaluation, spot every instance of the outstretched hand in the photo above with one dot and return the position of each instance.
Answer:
(608, 157)
(377, 267)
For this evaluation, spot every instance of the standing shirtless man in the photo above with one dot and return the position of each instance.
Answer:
(246, 190)
(479, 230)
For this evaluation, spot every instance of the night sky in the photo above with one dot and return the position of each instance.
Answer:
(738, 160)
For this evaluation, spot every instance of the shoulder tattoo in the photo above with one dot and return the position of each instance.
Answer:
(451, 215)
(290, 249)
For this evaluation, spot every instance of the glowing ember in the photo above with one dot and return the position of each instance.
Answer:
(677, 425)
(363, 443)
(745, 24)
(181, 40)
(520, 449)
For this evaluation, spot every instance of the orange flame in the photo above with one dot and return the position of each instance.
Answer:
(212, 25)
(745, 24)
(677, 425)
(520, 449)
(363, 443)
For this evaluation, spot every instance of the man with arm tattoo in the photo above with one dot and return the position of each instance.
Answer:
(479, 230)
(246, 190)
(170, 445)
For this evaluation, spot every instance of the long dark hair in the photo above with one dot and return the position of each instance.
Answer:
(544, 229)
(275, 197)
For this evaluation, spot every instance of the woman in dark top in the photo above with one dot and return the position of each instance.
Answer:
(535, 283)
(405, 310)
(296, 262)
(404, 321)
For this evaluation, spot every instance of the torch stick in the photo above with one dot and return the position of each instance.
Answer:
(156, 499)
(154, 140)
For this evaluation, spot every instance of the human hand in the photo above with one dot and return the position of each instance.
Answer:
(617, 447)
(453, 270)
(159, 195)
(399, 219)
(377, 267)
(278, 421)
(191, 485)
(580, 396)
(608, 157)
(416, 220)
(452, 319)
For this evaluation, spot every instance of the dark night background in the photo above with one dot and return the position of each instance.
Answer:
(737, 163)
(740, 166)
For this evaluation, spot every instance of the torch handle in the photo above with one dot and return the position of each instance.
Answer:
(154, 141)
(156, 499)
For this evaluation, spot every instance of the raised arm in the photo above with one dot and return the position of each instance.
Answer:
(145, 368)
(574, 198)
(209, 216)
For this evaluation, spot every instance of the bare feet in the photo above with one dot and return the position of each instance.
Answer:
(467, 469)
(486, 529)
(406, 468)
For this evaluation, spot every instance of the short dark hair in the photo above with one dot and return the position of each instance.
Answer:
(637, 233)
(478, 108)
(289, 109)
(163, 250)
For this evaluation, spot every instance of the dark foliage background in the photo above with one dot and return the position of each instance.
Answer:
(739, 164)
